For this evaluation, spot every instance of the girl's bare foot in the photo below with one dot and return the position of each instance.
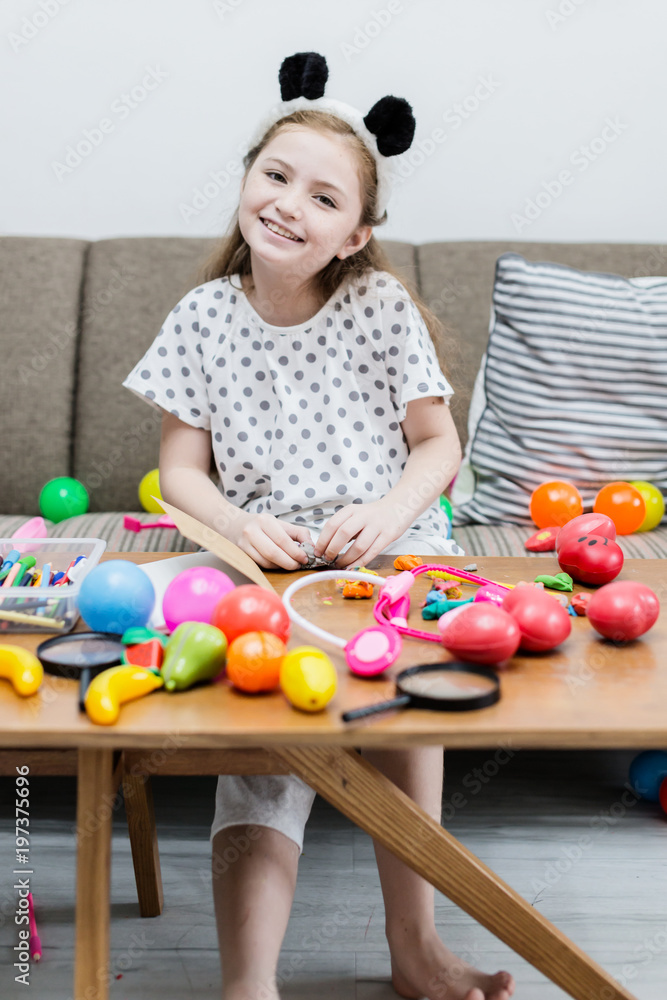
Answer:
(429, 969)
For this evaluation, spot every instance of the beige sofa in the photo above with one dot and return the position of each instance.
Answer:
(77, 315)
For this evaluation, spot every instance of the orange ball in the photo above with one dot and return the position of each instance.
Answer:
(624, 504)
(555, 503)
(253, 661)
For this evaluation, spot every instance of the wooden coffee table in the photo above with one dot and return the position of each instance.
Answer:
(588, 694)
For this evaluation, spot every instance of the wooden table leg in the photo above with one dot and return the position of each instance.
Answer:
(376, 805)
(93, 870)
(140, 813)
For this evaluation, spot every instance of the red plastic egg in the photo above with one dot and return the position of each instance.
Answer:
(251, 608)
(481, 633)
(544, 623)
(624, 610)
(591, 559)
(586, 524)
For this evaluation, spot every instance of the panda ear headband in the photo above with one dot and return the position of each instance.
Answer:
(387, 130)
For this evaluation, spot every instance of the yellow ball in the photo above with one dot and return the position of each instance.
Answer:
(655, 504)
(149, 487)
(308, 678)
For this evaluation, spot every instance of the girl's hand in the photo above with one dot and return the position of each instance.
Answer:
(373, 525)
(272, 543)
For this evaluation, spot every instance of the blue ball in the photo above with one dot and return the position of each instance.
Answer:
(115, 596)
(647, 772)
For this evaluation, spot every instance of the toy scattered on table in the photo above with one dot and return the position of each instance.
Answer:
(579, 604)
(555, 503)
(542, 621)
(586, 524)
(308, 678)
(623, 610)
(193, 594)
(149, 488)
(357, 589)
(648, 771)
(115, 596)
(195, 653)
(63, 497)
(142, 633)
(251, 608)
(436, 609)
(22, 669)
(149, 654)
(254, 660)
(624, 504)
(134, 524)
(35, 943)
(592, 559)
(655, 504)
(543, 540)
(115, 687)
(481, 633)
(560, 581)
(407, 562)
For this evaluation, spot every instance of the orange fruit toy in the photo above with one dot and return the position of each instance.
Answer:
(555, 503)
(253, 661)
(624, 504)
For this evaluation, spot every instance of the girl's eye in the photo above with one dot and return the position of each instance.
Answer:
(275, 173)
(327, 199)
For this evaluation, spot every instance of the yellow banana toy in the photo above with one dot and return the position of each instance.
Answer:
(22, 668)
(115, 686)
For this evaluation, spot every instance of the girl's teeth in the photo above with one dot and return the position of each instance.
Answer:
(281, 231)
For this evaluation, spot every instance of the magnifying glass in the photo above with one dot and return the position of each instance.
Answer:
(80, 656)
(453, 686)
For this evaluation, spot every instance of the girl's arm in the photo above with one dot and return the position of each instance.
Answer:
(185, 457)
(435, 456)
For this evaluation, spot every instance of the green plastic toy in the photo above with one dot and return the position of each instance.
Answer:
(63, 497)
(195, 652)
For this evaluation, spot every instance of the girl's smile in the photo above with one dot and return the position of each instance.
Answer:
(273, 227)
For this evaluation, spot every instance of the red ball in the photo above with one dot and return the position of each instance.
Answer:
(586, 524)
(662, 797)
(250, 608)
(591, 559)
(481, 633)
(623, 610)
(544, 623)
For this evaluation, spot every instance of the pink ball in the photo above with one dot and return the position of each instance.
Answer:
(193, 594)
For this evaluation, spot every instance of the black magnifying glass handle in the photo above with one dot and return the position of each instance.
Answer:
(381, 706)
(85, 677)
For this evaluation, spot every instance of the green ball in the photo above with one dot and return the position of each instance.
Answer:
(446, 506)
(63, 497)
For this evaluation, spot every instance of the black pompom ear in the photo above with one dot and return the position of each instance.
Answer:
(393, 124)
(303, 75)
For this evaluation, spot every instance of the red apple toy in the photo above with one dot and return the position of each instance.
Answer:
(543, 622)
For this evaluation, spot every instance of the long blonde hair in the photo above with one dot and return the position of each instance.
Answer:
(232, 255)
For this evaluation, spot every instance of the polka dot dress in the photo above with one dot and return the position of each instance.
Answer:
(303, 419)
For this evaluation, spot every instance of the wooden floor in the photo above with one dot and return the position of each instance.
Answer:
(551, 824)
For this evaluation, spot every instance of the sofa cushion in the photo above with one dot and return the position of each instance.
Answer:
(109, 525)
(40, 293)
(572, 387)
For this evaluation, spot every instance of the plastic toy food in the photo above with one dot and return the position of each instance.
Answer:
(623, 504)
(115, 596)
(22, 668)
(481, 633)
(308, 678)
(555, 503)
(253, 661)
(655, 504)
(648, 771)
(149, 487)
(63, 497)
(623, 610)
(251, 608)
(114, 687)
(543, 622)
(591, 559)
(586, 524)
(193, 594)
(195, 653)
(543, 540)
(148, 654)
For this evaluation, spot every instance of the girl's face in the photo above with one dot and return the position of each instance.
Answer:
(301, 203)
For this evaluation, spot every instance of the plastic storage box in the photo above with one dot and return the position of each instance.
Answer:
(46, 609)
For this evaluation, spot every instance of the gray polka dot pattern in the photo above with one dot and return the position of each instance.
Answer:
(303, 419)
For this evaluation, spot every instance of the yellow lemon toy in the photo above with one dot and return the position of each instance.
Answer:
(22, 668)
(308, 678)
(655, 504)
(149, 487)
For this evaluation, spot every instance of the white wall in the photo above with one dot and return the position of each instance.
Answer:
(557, 72)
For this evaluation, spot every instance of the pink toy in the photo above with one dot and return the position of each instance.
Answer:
(586, 524)
(623, 610)
(491, 592)
(193, 594)
(481, 633)
(372, 650)
(544, 623)
(35, 528)
(134, 524)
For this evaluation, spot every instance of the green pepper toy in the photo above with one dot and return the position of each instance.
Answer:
(195, 652)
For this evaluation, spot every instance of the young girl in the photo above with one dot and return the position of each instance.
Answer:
(303, 364)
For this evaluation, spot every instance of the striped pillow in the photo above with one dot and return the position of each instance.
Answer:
(573, 386)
